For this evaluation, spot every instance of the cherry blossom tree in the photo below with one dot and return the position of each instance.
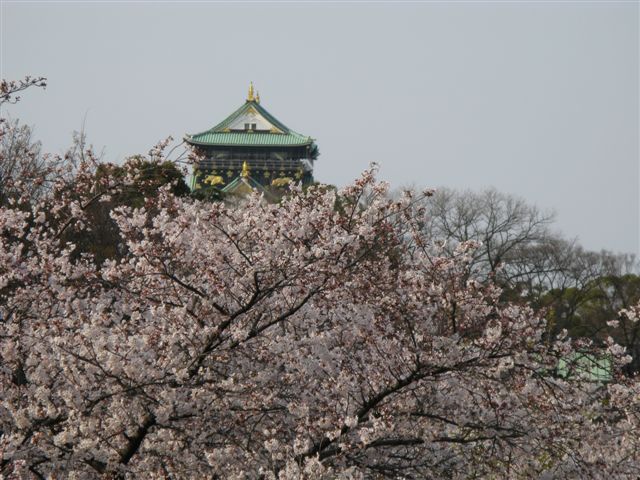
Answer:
(316, 338)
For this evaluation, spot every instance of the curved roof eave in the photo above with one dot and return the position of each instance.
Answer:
(205, 144)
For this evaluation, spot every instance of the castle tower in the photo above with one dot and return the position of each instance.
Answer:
(252, 140)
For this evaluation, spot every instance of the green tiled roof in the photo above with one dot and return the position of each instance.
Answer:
(586, 366)
(238, 181)
(249, 139)
(239, 184)
(220, 135)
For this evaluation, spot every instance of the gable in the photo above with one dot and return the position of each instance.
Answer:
(254, 119)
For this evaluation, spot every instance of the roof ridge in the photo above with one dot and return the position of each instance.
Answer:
(235, 114)
(220, 134)
(251, 183)
(265, 113)
(219, 128)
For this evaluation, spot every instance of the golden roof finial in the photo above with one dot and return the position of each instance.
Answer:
(250, 95)
(258, 97)
(245, 170)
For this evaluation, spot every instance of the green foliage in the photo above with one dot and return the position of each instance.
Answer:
(586, 311)
(209, 193)
(102, 239)
(149, 177)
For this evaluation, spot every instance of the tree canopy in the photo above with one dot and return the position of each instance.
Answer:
(320, 337)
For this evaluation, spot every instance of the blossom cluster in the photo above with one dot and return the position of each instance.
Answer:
(314, 338)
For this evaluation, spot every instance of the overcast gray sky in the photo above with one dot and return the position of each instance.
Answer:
(538, 99)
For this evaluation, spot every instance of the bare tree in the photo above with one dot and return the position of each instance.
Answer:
(502, 225)
(23, 168)
(20, 160)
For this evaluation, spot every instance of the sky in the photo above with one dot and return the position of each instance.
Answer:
(537, 99)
